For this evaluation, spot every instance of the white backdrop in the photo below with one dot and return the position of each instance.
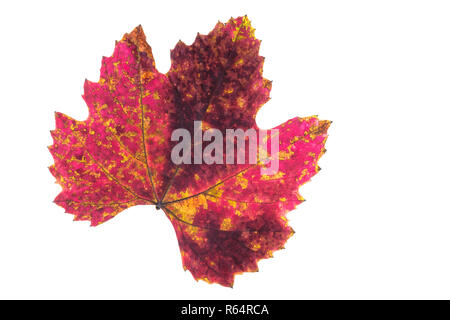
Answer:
(376, 221)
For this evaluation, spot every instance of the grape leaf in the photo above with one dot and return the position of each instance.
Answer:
(226, 216)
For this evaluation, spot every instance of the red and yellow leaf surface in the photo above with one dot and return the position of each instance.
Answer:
(226, 216)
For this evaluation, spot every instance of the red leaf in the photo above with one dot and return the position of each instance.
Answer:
(226, 216)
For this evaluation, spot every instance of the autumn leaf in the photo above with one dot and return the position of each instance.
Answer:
(226, 216)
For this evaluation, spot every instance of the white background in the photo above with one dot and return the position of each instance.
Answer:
(376, 223)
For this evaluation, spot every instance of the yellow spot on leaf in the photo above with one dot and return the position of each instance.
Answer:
(240, 180)
(232, 203)
(226, 224)
(241, 102)
(278, 175)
